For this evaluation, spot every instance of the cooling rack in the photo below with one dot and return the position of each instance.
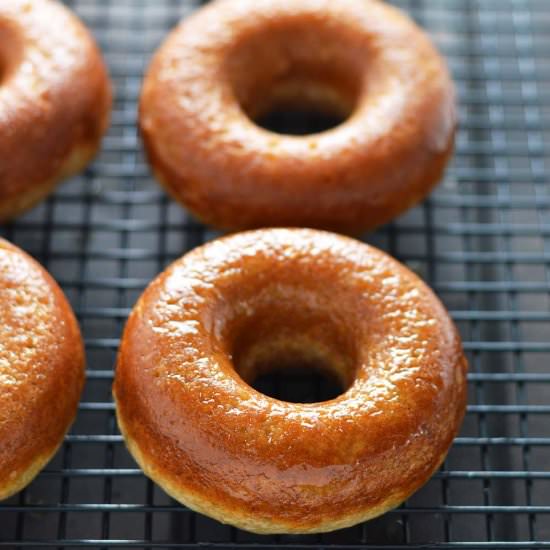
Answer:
(482, 241)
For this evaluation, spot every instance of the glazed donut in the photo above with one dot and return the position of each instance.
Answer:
(55, 100)
(41, 368)
(232, 62)
(252, 302)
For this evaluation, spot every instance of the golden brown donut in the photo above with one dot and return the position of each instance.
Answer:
(231, 62)
(41, 368)
(255, 301)
(55, 100)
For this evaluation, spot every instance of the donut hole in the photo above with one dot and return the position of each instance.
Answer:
(294, 354)
(295, 77)
(298, 122)
(301, 383)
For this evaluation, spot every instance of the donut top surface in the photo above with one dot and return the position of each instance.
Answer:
(233, 308)
(55, 94)
(231, 62)
(41, 364)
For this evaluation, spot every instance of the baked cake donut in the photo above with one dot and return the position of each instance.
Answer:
(55, 100)
(253, 302)
(231, 62)
(41, 368)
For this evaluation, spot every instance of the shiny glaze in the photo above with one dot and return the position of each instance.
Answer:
(265, 465)
(354, 56)
(41, 367)
(55, 100)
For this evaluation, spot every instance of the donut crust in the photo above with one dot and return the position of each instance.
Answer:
(195, 425)
(55, 100)
(41, 368)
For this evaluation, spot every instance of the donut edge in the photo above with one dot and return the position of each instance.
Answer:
(27, 476)
(78, 158)
(255, 524)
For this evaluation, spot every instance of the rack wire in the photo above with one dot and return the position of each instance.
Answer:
(482, 241)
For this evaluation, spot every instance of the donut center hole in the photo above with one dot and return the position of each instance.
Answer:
(292, 119)
(296, 76)
(296, 356)
(297, 380)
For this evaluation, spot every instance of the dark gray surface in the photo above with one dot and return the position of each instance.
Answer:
(482, 241)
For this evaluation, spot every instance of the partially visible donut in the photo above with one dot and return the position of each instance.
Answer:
(245, 304)
(55, 100)
(41, 368)
(232, 61)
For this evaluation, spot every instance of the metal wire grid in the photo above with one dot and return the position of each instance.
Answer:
(482, 241)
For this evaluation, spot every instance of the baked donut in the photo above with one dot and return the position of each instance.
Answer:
(232, 62)
(252, 302)
(55, 100)
(41, 368)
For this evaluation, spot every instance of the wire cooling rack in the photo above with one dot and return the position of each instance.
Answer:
(482, 240)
